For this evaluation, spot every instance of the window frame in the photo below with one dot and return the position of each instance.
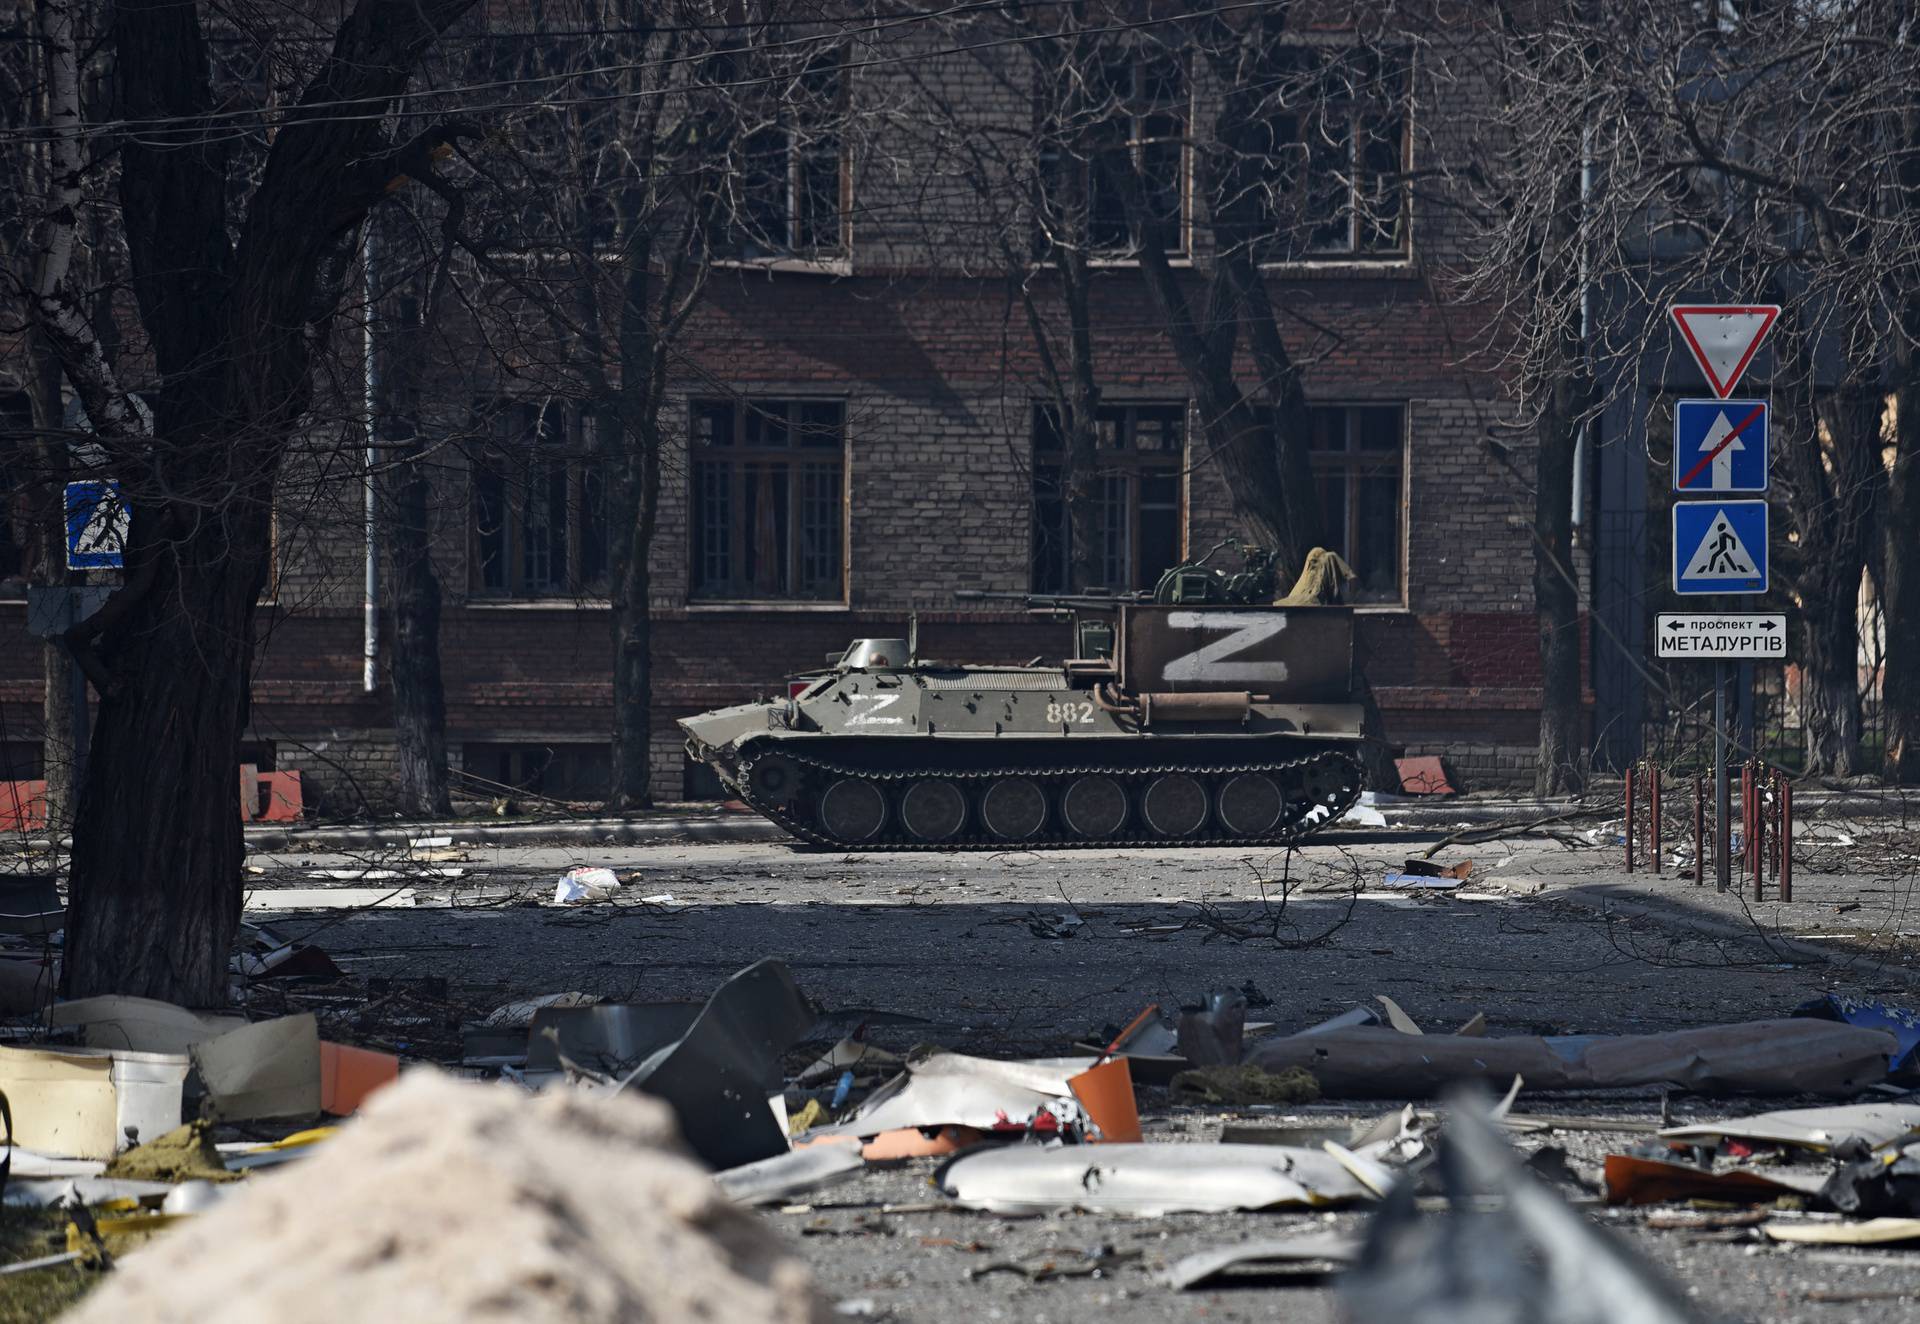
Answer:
(1350, 463)
(795, 458)
(1126, 463)
(732, 249)
(1308, 121)
(582, 452)
(1053, 156)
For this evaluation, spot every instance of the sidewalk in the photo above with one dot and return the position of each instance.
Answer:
(707, 821)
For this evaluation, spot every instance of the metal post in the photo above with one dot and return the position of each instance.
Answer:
(1630, 825)
(1749, 748)
(1653, 815)
(1786, 840)
(1758, 846)
(1699, 829)
(1722, 793)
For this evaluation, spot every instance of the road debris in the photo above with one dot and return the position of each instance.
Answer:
(448, 1201)
(1147, 1180)
(1208, 1266)
(1901, 1022)
(1508, 1248)
(584, 885)
(1636, 1179)
(777, 1179)
(1757, 1057)
(717, 1076)
(1821, 1129)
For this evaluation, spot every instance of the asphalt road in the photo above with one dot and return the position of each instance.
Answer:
(1019, 953)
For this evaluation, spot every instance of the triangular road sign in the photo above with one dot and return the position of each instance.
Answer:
(1721, 554)
(1723, 339)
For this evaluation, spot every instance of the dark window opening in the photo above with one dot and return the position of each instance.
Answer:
(1358, 458)
(788, 195)
(1334, 158)
(1133, 124)
(540, 505)
(554, 770)
(768, 499)
(1139, 514)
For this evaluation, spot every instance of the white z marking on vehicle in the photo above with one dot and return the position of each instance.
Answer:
(1209, 662)
(871, 717)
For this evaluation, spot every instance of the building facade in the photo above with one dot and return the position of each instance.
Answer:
(857, 431)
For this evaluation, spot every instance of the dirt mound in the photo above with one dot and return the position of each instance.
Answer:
(453, 1201)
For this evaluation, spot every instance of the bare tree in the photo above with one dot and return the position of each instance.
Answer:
(1732, 152)
(662, 150)
(235, 280)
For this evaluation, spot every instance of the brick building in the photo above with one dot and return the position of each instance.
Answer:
(859, 432)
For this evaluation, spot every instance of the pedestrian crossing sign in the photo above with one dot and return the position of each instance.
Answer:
(1719, 547)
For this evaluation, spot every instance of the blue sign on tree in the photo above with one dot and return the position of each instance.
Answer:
(96, 526)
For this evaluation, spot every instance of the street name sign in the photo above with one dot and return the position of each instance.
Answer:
(1724, 338)
(96, 526)
(1720, 446)
(1722, 635)
(1719, 547)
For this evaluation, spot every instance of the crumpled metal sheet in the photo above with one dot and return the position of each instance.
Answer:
(1205, 1266)
(1147, 1180)
(1878, 1124)
(1508, 1251)
(771, 1180)
(1903, 1023)
(1756, 1057)
(717, 1076)
(608, 1037)
(952, 1089)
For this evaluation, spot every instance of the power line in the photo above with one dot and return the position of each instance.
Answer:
(186, 130)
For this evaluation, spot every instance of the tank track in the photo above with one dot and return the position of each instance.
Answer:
(1298, 819)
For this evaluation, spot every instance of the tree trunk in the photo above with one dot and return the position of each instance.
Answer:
(156, 879)
(1830, 694)
(413, 659)
(50, 466)
(1900, 526)
(1900, 576)
(234, 325)
(412, 588)
(1556, 597)
(633, 510)
(632, 624)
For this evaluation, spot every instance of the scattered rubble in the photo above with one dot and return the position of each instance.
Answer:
(450, 1201)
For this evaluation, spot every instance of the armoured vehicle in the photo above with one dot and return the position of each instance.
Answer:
(1191, 719)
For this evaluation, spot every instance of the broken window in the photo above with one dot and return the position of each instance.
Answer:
(1358, 457)
(1333, 153)
(557, 770)
(1127, 119)
(1139, 512)
(768, 499)
(787, 196)
(539, 504)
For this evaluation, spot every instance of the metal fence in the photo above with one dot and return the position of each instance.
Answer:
(1646, 707)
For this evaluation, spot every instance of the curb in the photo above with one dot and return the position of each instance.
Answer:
(727, 828)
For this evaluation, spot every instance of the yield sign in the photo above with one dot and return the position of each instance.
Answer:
(1724, 339)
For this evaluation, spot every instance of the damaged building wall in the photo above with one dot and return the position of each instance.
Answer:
(911, 333)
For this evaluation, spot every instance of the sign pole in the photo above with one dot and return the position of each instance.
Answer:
(1722, 794)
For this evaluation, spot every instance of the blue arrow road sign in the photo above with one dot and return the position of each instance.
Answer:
(96, 526)
(1720, 547)
(1720, 446)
